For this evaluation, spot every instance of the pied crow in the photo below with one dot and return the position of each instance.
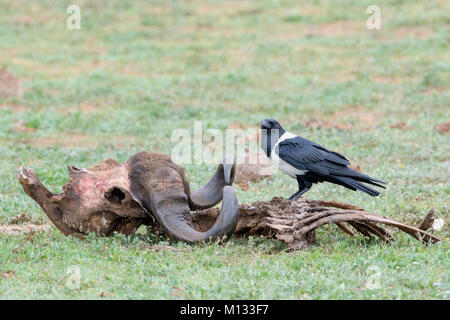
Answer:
(309, 162)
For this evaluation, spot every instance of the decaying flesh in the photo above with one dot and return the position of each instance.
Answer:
(148, 189)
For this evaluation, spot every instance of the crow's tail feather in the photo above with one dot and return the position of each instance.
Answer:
(367, 179)
(356, 185)
(371, 182)
(338, 171)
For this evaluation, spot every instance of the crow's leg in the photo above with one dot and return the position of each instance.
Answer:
(299, 193)
(303, 186)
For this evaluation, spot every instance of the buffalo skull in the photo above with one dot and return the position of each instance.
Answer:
(147, 189)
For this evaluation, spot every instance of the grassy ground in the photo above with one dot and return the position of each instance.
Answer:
(134, 73)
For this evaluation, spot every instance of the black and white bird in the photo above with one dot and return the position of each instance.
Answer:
(309, 162)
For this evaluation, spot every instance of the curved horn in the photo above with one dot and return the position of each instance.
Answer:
(170, 205)
(212, 192)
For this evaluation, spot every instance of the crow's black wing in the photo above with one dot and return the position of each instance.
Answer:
(305, 154)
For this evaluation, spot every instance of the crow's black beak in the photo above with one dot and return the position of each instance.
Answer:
(265, 124)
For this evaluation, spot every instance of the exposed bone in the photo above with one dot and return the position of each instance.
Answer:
(295, 222)
(438, 224)
(36, 190)
(428, 221)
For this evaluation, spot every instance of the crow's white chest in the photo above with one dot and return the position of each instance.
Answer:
(280, 163)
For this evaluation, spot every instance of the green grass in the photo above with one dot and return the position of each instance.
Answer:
(136, 72)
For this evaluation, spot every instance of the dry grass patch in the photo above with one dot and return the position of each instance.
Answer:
(341, 75)
(223, 8)
(12, 229)
(443, 128)
(69, 141)
(309, 10)
(434, 90)
(240, 56)
(9, 85)
(316, 123)
(387, 34)
(346, 119)
(84, 107)
(134, 71)
(20, 127)
(395, 79)
(400, 125)
(35, 20)
(367, 119)
(7, 274)
(155, 9)
(58, 70)
(338, 28)
(14, 107)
